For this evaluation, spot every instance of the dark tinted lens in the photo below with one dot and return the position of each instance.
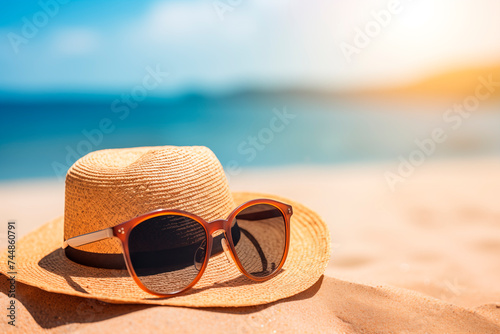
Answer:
(260, 244)
(167, 252)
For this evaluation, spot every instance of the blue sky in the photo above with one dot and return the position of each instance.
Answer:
(105, 46)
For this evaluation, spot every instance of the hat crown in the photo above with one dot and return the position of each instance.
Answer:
(108, 187)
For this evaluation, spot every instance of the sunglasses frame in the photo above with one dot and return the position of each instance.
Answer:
(122, 232)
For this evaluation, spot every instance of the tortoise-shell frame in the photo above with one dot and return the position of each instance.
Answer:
(122, 232)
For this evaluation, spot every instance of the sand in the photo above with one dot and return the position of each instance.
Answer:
(422, 259)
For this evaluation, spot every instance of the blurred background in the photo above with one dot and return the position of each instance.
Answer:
(261, 83)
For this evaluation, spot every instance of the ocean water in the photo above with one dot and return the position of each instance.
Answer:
(42, 137)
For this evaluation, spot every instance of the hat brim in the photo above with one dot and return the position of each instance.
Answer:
(43, 264)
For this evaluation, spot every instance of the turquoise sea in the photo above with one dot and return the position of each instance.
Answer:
(40, 136)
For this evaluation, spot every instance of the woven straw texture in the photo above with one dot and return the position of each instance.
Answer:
(198, 185)
(108, 187)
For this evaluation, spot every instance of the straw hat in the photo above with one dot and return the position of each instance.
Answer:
(105, 188)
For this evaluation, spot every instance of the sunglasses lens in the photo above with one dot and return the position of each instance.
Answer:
(167, 252)
(261, 239)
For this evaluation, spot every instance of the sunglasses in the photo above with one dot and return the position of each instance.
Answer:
(167, 251)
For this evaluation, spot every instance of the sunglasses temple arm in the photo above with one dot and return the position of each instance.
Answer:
(88, 238)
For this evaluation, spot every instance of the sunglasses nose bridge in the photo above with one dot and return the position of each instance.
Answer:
(216, 225)
(219, 237)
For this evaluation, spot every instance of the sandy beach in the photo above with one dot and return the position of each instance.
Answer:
(424, 258)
